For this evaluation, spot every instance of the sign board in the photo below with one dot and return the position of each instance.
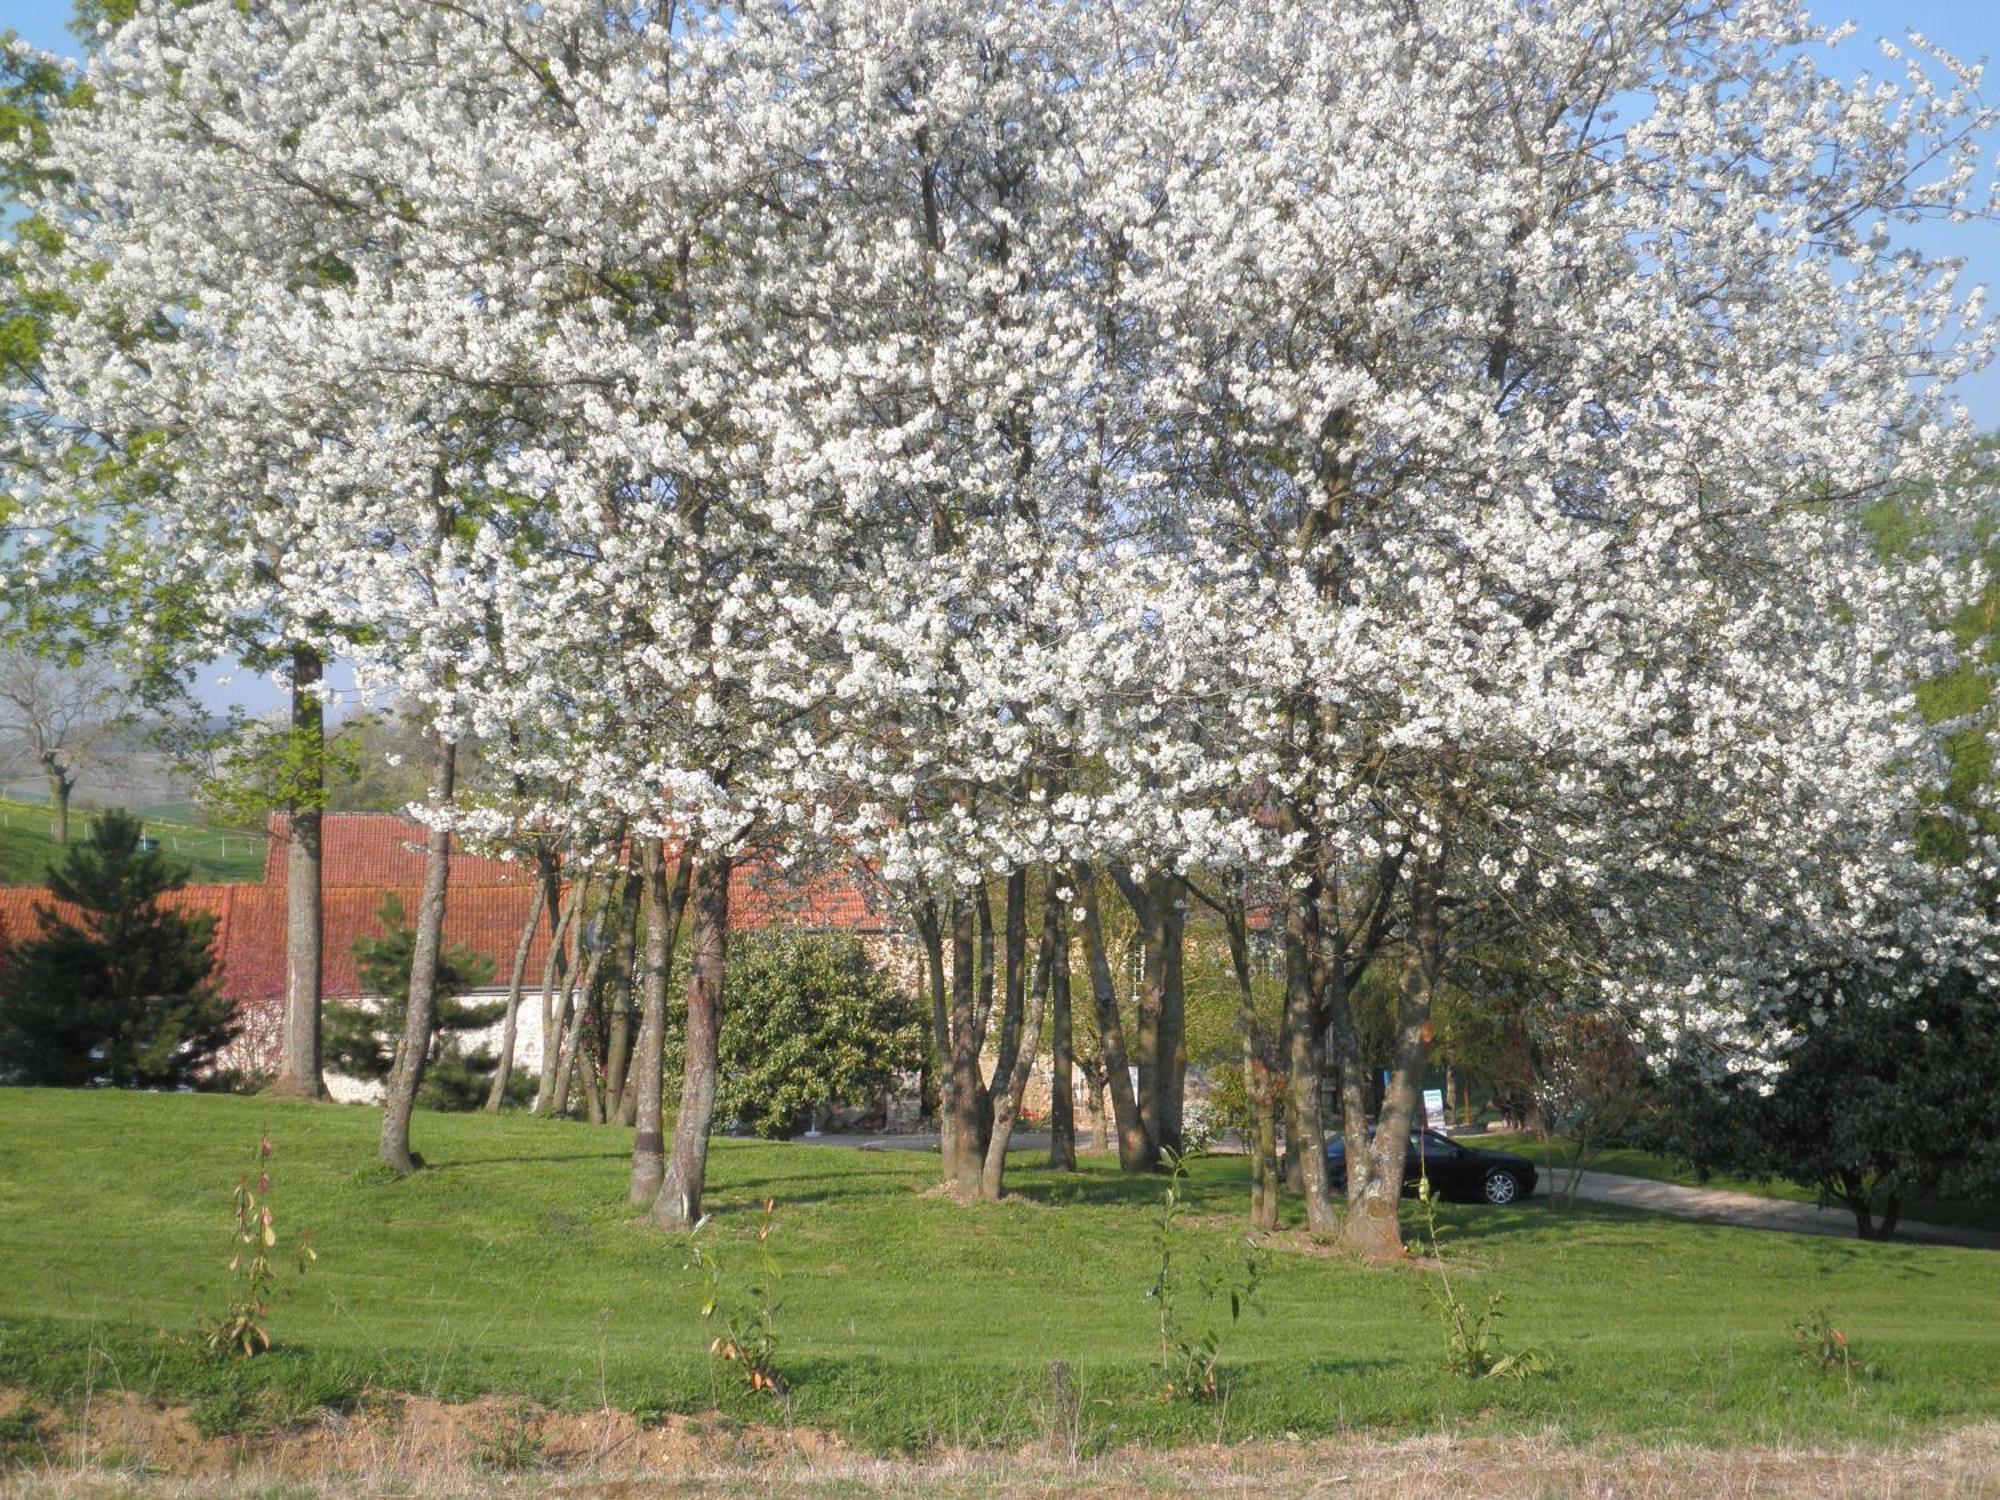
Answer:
(1434, 1108)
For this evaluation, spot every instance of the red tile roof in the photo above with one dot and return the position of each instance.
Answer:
(250, 929)
(381, 849)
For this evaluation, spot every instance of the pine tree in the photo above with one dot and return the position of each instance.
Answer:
(361, 1040)
(125, 994)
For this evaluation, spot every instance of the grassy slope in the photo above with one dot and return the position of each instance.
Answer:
(1631, 1163)
(27, 850)
(513, 1265)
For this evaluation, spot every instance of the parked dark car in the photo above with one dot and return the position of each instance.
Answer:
(1456, 1170)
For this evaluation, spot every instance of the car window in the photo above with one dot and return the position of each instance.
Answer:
(1437, 1145)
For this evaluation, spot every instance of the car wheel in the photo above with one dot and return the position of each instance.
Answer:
(1502, 1187)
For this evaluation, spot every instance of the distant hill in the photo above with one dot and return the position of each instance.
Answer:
(27, 849)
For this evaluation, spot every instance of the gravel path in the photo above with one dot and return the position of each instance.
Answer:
(1713, 1205)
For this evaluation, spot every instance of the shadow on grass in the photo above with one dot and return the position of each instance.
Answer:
(519, 1161)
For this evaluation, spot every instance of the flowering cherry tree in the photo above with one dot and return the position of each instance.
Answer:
(1416, 457)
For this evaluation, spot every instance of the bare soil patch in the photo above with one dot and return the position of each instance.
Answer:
(415, 1446)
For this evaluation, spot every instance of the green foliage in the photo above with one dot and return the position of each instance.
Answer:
(123, 995)
(748, 1318)
(808, 1020)
(1886, 1097)
(1188, 1359)
(381, 763)
(362, 1040)
(254, 765)
(1471, 1342)
(244, 1329)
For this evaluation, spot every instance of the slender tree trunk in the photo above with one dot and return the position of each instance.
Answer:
(982, 1025)
(572, 1060)
(1013, 990)
(677, 890)
(1373, 1228)
(1353, 1072)
(1100, 1114)
(1303, 958)
(664, 903)
(1111, 1033)
(678, 1205)
(1062, 1041)
(400, 1099)
(1150, 910)
(930, 929)
(618, 1040)
(503, 1070)
(1012, 1085)
(555, 983)
(1173, 1014)
(964, 1090)
(301, 1075)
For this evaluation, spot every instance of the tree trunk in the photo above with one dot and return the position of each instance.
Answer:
(1012, 1085)
(618, 1038)
(982, 1025)
(1100, 1116)
(301, 1076)
(963, 1088)
(677, 891)
(1062, 1040)
(1373, 1227)
(930, 929)
(1150, 910)
(400, 1100)
(503, 1070)
(1305, 1061)
(1013, 992)
(664, 904)
(572, 1059)
(678, 1205)
(555, 982)
(60, 786)
(1110, 1032)
(1353, 1072)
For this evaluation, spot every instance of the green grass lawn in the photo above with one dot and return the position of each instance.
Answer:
(512, 1264)
(1628, 1162)
(28, 848)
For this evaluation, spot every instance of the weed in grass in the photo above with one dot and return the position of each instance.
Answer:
(244, 1329)
(749, 1319)
(1471, 1346)
(512, 1447)
(1188, 1360)
(1823, 1347)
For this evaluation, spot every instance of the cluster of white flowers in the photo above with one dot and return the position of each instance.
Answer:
(974, 434)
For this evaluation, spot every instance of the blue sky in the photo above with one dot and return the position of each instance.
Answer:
(1968, 28)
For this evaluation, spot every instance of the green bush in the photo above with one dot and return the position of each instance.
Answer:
(807, 1021)
(125, 994)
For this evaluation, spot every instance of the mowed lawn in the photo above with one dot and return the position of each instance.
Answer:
(512, 1264)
